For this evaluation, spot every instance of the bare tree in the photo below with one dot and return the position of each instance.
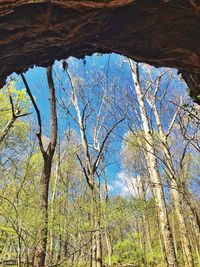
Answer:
(92, 150)
(153, 171)
(174, 181)
(47, 154)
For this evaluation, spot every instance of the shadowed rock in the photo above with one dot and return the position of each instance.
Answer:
(161, 33)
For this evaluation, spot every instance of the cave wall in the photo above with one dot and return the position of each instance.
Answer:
(158, 32)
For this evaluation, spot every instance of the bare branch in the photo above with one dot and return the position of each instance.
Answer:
(149, 86)
(39, 121)
(97, 161)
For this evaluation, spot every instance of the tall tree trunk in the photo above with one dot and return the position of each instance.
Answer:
(98, 225)
(41, 245)
(59, 256)
(96, 241)
(174, 232)
(51, 236)
(19, 260)
(40, 254)
(194, 238)
(154, 174)
(161, 240)
(146, 239)
(193, 210)
(145, 222)
(109, 248)
(107, 234)
(93, 226)
(175, 191)
(142, 237)
(98, 249)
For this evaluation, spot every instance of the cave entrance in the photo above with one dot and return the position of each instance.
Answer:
(39, 32)
(101, 118)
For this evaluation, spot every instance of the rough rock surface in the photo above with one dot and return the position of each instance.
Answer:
(159, 32)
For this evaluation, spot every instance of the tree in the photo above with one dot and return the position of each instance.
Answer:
(14, 105)
(102, 127)
(96, 186)
(47, 154)
(174, 182)
(153, 171)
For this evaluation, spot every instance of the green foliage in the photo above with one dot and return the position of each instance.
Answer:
(127, 251)
(21, 104)
(125, 221)
(19, 98)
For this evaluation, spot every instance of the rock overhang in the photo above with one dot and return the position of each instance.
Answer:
(158, 32)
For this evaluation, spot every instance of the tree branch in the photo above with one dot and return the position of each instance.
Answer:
(39, 121)
(54, 122)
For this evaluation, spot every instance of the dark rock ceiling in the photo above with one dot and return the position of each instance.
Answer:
(158, 32)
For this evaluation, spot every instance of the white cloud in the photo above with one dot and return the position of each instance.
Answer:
(127, 185)
(110, 187)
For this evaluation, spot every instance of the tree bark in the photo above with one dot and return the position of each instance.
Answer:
(41, 245)
(40, 254)
(154, 174)
(175, 191)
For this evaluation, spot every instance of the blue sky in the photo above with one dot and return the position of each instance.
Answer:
(117, 70)
(36, 78)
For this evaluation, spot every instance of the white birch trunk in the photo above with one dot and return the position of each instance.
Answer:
(154, 174)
